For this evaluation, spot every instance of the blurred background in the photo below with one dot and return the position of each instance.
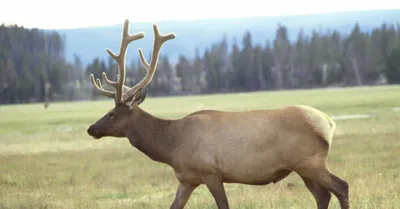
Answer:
(48, 49)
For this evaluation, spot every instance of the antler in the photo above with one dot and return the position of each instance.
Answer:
(159, 40)
(120, 59)
(123, 93)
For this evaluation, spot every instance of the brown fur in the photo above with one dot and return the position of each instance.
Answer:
(212, 147)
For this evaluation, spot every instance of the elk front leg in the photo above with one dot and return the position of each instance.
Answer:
(182, 195)
(216, 187)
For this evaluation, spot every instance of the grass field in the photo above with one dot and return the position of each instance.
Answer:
(47, 160)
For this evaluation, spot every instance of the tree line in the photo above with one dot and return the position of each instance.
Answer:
(33, 66)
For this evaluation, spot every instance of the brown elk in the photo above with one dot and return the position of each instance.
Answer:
(213, 147)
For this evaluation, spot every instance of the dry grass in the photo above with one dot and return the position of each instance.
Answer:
(48, 161)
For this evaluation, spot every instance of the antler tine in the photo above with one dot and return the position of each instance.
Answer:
(100, 88)
(120, 59)
(159, 40)
(143, 60)
(99, 83)
(108, 81)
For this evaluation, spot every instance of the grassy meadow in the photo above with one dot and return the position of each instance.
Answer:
(47, 160)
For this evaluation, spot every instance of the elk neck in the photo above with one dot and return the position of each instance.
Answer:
(155, 137)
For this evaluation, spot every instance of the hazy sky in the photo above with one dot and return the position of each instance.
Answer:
(73, 13)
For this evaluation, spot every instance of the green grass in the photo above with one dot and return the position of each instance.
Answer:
(47, 160)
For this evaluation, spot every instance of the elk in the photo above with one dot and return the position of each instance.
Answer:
(213, 147)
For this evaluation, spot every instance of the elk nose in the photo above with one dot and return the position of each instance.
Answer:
(90, 130)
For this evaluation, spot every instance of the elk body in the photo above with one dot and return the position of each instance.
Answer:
(212, 147)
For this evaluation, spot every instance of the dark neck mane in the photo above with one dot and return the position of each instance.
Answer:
(153, 136)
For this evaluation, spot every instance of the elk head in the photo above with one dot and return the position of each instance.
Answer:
(126, 99)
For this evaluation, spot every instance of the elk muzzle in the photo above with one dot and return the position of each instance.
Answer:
(92, 132)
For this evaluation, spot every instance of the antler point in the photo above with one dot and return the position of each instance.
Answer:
(156, 30)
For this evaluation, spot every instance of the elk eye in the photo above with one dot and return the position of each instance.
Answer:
(111, 115)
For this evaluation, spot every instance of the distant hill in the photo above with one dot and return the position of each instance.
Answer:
(91, 42)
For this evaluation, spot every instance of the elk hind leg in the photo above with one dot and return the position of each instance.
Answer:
(323, 177)
(322, 195)
(340, 189)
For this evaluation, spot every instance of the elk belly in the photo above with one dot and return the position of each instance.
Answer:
(254, 172)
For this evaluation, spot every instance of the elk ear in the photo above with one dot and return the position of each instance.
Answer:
(135, 101)
(142, 96)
